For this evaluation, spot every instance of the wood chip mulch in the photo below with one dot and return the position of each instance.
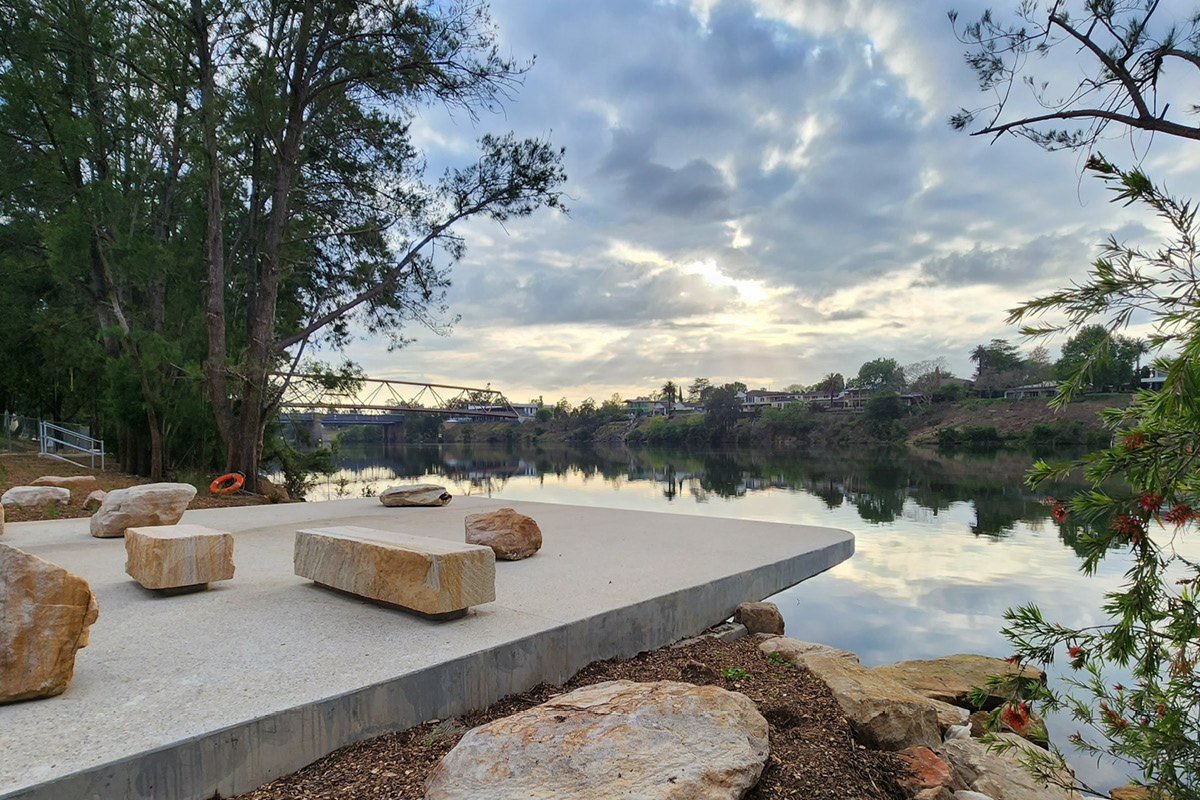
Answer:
(813, 755)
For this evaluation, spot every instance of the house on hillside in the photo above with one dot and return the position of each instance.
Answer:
(645, 407)
(755, 400)
(1043, 389)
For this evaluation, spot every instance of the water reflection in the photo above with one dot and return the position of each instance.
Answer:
(944, 544)
(881, 485)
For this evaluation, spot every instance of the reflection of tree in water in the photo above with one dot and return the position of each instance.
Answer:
(879, 483)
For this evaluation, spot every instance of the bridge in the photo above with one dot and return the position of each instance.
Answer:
(323, 402)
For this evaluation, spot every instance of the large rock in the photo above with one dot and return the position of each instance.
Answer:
(45, 613)
(36, 496)
(794, 650)
(759, 617)
(175, 556)
(96, 497)
(432, 576)
(651, 741)
(418, 494)
(276, 494)
(146, 505)
(999, 775)
(926, 771)
(78, 483)
(1, 519)
(511, 536)
(883, 714)
(951, 678)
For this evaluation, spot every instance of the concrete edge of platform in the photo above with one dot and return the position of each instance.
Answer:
(242, 757)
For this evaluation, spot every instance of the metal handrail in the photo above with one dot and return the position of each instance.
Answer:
(91, 446)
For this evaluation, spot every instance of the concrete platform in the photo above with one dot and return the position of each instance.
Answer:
(178, 698)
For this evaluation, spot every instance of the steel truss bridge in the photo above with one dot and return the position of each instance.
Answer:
(380, 401)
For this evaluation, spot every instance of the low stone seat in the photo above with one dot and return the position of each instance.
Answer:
(178, 557)
(433, 577)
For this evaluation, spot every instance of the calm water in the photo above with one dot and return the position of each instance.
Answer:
(943, 544)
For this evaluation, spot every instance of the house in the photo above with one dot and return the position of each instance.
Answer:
(755, 400)
(525, 410)
(823, 398)
(1154, 381)
(645, 407)
(1043, 389)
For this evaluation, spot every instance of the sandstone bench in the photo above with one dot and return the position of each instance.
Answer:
(178, 558)
(432, 577)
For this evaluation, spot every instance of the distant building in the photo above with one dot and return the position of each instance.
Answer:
(1043, 389)
(1154, 381)
(645, 407)
(755, 400)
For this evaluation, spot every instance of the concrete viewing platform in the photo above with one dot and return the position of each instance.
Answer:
(178, 698)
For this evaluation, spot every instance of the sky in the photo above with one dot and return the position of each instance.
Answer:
(759, 190)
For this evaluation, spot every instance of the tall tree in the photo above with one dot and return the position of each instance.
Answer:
(1126, 47)
(669, 390)
(1106, 359)
(698, 390)
(880, 373)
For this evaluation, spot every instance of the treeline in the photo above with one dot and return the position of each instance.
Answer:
(195, 195)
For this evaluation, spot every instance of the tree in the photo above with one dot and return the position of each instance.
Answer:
(832, 383)
(1127, 46)
(699, 389)
(998, 366)
(245, 169)
(723, 407)
(669, 391)
(880, 373)
(1110, 357)
(1145, 495)
(926, 376)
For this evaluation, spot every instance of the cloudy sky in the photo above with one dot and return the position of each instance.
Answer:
(762, 191)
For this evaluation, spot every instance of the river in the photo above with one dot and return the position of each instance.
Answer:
(944, 544)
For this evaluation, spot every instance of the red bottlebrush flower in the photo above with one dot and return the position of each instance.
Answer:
(1058, 512)
(1150, 501)
(1128, 525)
(1049, 501)
(1132, 441)
(1160, 710)
(1013, 659)
(1179, 514)
(1015, 718)
(1074, 651)
(1118, 686)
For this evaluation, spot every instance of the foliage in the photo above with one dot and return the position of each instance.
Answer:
(948, 393)
(1144, 496)
(1126, 49)
(969, 436)
(723, 407)
(732, 673)
(1112, 367)
(879, 373)
(300, 467)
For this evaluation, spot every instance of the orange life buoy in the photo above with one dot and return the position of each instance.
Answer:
(230, 482)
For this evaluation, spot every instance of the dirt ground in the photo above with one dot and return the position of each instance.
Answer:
(1013, 416)
(23, 470)
(813, 755)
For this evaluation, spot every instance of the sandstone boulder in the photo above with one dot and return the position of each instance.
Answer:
(147, 505)
(1027, 724)
(78, 483)
(418, 494)
(795, 650)
(651, 741)
(431, 576)
(998, 775)
(759, 617)
(174, 556)
(36, 496)
(276, 494)
(926, 771)
(951, 678)
(1, 519)
(511, 536)
(96, 497)
(1132, 791)
(883, 714)
(45, 613)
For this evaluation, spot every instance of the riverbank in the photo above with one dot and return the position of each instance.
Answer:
(965, 424)
(23, 470)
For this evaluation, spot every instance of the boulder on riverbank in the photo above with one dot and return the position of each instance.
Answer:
(417, 494)
(46, 612)
(141, 506)
(998, 775)
(654, 741)
(511, 536)
(759, 617)
(950, 679)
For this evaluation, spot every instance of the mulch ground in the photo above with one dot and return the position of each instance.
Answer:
(23, 470)
(813, 755)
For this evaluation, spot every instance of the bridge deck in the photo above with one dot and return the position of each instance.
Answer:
(177, 698)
